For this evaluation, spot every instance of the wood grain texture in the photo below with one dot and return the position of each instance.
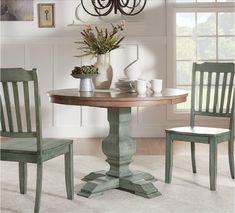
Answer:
(115, 98)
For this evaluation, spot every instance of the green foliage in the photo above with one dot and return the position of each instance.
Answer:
(208, 27)
(100, 41)
(90, 69)
(200, 43)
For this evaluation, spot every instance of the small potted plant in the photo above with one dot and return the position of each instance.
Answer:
(85, 73)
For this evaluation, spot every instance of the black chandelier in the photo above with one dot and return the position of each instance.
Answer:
(105, 7)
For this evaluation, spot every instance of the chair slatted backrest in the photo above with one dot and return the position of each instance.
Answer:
(10, 79)
(213, 91)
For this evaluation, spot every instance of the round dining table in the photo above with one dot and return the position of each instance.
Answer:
(119, 147)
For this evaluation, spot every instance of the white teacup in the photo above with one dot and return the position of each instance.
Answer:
(156, 85)
(141, 86)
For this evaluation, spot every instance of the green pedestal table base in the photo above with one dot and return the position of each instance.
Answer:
(119, 148)
(139, 183)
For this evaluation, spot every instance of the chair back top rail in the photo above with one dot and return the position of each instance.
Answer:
(16, 75)
(11, 103)
(214, 67)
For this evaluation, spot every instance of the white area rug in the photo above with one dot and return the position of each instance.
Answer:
(188, 192)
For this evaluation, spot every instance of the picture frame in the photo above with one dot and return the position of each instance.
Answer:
(46, 15)
(20, 10)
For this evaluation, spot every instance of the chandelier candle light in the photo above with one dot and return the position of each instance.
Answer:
(105, 7)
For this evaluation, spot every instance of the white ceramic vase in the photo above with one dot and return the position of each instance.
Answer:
(104, 79)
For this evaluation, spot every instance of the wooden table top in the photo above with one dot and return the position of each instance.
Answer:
(116, 98)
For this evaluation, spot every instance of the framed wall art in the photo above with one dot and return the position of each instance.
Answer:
(16, 10)
(46, 15)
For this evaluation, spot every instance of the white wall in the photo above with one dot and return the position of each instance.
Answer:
(51, 51)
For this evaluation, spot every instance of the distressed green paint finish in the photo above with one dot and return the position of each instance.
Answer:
(8, 105)
(231, 157)
(2, 116)
(220, 108)
(168, 158)
(193, 157)
(140, 183)
(27, 105)
(98, 185)
(119, 148)
(213, 162)
(69, 177)
(17, 106)
(38, 187)
(23, 177)
(27, 146)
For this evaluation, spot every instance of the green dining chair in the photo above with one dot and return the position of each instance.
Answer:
(24, 143)
(212, 95)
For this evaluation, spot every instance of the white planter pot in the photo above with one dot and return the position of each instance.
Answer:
(104, 79)
(86, 85)
(85, 81)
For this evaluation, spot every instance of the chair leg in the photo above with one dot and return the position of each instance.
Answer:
(231, 157)
(168, 158)
(213, 163)
(23, 177)
(193, 157)
(38, 188)
(69, 173)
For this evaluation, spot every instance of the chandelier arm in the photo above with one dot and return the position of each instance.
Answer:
(90, 13)
(124, 4)
(117, 5)
(122, 11)
(101, 6)
(97, 12)
(84, 8)
(107, 12)
(127, 3)
(132, 13)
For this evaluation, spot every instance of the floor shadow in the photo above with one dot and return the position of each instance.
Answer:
(33, 191)
(78, 187)
(9, 210)
(191, 182)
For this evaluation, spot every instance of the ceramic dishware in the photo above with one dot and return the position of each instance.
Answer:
(156, 85)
